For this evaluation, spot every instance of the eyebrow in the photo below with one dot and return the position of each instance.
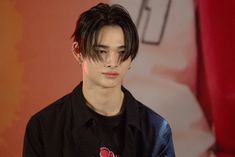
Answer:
(106, 47)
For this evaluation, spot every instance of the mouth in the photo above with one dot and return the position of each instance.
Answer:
(110, 74)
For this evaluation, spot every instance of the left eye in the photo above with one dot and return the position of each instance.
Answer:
(122, 52)
(102, 51)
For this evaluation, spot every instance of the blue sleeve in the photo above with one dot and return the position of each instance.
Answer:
(167, 144)
(163, 143)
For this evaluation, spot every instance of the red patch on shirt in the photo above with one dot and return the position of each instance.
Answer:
(105, 152)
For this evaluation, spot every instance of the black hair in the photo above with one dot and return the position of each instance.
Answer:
(91, 21)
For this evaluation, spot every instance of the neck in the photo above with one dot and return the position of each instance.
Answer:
(105, 101)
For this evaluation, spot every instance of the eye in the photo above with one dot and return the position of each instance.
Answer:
(102, 51)
(122, 52)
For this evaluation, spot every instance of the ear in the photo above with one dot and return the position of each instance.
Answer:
(76, 52)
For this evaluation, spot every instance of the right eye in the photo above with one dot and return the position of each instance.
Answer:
(102, 51)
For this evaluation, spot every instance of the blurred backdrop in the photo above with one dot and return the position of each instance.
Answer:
(185, 69)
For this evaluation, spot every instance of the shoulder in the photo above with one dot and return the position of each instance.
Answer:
(153, 129)
(51, 115)
(151, 118)
(156, 132)
(147, 117)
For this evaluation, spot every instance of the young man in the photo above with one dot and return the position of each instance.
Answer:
(100, 117)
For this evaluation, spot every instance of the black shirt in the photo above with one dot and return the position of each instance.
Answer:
(63, 129)
(109, 131)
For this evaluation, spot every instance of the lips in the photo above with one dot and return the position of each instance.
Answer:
(110, 74)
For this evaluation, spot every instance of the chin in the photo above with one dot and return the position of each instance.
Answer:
(110, 84)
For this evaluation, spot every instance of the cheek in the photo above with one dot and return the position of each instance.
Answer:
(85, 68)
(127, 64)
(90, 68)
(125, 68)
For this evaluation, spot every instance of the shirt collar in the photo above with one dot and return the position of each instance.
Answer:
(132, 109)
(82, 116)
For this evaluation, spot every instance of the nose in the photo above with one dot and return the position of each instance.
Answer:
(112, 60)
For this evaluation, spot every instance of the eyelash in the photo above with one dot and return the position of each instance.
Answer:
(101, 51)
(122, 52)
(104, 52)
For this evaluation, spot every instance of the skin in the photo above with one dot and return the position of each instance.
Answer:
(102, 80)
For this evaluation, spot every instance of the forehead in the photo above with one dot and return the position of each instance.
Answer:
(111, 36)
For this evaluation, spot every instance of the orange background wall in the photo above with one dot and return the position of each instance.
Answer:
(36, 63)
(37, 66)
